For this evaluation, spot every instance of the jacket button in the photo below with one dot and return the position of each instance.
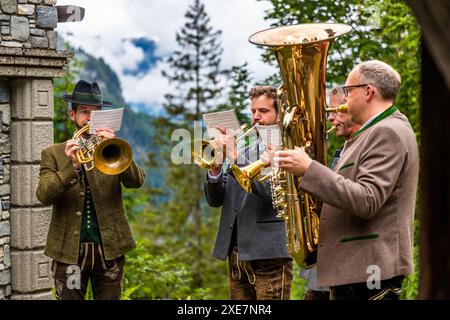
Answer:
(82, 193)
(78, 213)
(73, 181)
(231, 226)
(235, 209)
(75, 233)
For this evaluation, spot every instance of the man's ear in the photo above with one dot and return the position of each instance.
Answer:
(370, 93)
(72, 114)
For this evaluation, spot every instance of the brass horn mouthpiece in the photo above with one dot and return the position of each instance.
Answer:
(331, 129)
(342, 108)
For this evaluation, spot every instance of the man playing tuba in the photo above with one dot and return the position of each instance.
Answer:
(366, 233)
(89, 231)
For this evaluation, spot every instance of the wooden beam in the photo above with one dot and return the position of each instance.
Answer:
(433, 17)
(435, 187)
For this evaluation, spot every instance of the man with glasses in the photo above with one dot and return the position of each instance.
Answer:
(366, 222)
(345, 128)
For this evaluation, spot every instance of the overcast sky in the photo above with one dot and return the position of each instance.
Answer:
(108, 22)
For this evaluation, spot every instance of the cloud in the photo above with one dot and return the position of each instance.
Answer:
(108, 33)
(130, 55)
(148, 89)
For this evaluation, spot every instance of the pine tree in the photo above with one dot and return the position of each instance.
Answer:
(238, 96)
(196, 76)
(64, 128)
(195, 69)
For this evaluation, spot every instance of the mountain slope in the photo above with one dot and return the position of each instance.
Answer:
(137, 127)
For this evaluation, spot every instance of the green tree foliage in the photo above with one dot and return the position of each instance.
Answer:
(158, 276)
(385, 30)
(63, 127)
(238, 96)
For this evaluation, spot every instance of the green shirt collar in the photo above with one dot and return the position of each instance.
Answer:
(386, 113)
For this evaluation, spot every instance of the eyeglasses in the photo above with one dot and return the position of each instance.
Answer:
(345, 88)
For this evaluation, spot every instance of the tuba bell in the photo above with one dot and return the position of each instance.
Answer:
(111, 156)
(301, 52)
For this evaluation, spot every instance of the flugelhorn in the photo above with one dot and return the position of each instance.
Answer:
(206, 156)
(111, 156)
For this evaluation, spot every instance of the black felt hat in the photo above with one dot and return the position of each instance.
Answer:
(86, 93)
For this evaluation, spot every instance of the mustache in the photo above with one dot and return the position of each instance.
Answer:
(337, 122)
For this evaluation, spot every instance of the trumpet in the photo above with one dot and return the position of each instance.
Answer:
(245, 175)
(342, 108)
(206, 156)
(111, 156)
(331, 130)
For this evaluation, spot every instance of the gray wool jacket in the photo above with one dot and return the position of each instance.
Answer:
(260, 234)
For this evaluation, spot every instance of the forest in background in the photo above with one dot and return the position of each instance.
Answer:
(174, 227)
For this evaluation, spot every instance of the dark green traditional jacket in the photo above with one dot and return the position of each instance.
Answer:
(61, 186)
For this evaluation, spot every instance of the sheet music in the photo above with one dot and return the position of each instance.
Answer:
(270, 135)
(226, 119)
(111, 119)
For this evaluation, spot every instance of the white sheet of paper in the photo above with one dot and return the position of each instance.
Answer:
(226, 119)
(110, 119)
(270, 135)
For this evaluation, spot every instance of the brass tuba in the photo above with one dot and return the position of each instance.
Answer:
(110, 156)
(301, 51)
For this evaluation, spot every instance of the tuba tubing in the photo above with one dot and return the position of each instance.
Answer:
(301, 52)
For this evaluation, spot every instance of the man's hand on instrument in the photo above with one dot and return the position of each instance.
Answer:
(104, 133)
(71, 150)
(295, 161)
(268, 155)
(225, 146)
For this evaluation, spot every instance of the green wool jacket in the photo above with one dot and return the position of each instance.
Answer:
(60, 185)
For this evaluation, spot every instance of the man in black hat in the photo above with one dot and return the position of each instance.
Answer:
(89, 231)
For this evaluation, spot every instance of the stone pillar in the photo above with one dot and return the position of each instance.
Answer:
(28, 63)
(31, 131)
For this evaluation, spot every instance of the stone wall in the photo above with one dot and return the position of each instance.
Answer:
(28, 23)
(5, 160)
(28, 63)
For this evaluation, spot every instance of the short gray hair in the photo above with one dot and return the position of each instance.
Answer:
(382, 76)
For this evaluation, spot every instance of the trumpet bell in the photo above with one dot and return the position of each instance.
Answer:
(205, 157)
(113, 156)
(245, 175)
